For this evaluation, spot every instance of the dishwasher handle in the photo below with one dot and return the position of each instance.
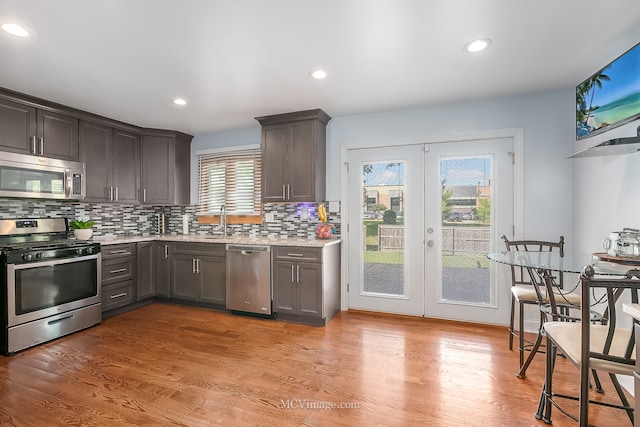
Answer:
(248, 249)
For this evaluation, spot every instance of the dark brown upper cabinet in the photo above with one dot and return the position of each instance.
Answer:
(29, 130)
(165, 167)
(294, 156)
(112, 161)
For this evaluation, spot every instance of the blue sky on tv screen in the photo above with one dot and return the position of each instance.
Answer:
(625, 78)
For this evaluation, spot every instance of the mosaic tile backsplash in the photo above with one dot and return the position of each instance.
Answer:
(127, 220)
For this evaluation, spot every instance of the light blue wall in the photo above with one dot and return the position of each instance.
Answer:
(545, 117)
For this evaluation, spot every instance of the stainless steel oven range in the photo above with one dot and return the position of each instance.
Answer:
(50, 284)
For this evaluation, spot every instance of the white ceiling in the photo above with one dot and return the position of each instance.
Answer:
(234, 60)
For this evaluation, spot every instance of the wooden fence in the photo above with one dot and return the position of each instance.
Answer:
(455, 240)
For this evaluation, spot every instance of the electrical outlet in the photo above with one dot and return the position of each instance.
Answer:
(334, 207)
(268, 217)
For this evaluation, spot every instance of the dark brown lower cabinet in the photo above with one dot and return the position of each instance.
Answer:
(306, 283)
(198, 273)
(118, 275)
(145, 271)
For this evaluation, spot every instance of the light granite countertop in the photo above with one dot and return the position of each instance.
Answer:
(209, 238)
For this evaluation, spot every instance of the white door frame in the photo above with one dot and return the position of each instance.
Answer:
(517, 134)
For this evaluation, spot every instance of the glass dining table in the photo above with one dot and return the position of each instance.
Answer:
(569, 263)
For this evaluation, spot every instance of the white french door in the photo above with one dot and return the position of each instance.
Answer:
(421, 219)
(471, 186)
(386, 258)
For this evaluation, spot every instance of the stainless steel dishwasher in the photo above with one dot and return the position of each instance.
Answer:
(249, 279)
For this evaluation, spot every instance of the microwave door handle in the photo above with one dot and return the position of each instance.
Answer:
(68, 179)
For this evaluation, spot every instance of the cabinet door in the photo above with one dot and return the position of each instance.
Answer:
(57, 135)
(145, 268)
(213, 287)
(184, 280)
(95, 140)
(309, 288)
(274, 155)
(163, 269)
(158, 169)
(284, 291)
(302, 161)
(17, 127)
(125, 166)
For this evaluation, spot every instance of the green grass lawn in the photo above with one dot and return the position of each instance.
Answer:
(397, 257)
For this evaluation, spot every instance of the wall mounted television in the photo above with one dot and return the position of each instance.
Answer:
(610, 97)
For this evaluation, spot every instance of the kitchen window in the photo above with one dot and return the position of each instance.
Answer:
(231, 177)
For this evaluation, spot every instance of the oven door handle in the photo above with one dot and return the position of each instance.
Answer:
(52, 262)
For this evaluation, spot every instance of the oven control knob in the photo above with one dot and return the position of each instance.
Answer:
(89, 250)
(38, 255)
(79, 251)
(27, 257)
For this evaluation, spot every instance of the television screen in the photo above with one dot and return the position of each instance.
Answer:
(610, 97)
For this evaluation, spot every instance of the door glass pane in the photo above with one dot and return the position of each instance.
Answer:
(466, 229)
(383, 201)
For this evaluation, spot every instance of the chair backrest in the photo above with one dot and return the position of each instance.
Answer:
(622, 340)
(521, 275)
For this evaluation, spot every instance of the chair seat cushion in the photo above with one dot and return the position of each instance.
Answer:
(567, 336)
(527, 294)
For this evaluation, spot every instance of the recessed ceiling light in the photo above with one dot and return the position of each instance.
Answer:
(318, 74)
(179, 101)
(15, 29)
(477, 45)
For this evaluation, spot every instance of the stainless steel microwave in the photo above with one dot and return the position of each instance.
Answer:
(36, 177)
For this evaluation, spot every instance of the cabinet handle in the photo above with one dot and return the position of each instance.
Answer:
(292, 278)
(288, 192)
(34, 149)
(296, 255)
(283, 193)
(119, 270)
(111, 194)
(120, 295)
(41, 146)
(116, 193)
(193, 265)
(298, 273)
(166, 251)
(198, 265)
(144, 194)
(120, 251)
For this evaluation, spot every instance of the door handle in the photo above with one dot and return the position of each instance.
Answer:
(288, 192)
(193, 265)
(166, 251)
(144, 194)
(292, 278)
(34, 149)
(116, 193)
(298, 273)
(283, 193)
(198, 265)
(41, 146)
(430, 243)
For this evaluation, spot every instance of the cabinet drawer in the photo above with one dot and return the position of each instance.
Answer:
(118, 270)
(198, 249)
(297, 253)
(117, 296)
(118, 251)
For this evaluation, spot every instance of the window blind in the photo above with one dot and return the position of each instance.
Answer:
(231, 178)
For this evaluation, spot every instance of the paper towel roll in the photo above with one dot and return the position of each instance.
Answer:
(185, 224)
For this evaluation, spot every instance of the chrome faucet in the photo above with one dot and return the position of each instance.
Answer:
(223, 219)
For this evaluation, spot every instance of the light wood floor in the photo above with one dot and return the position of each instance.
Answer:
(170, 365)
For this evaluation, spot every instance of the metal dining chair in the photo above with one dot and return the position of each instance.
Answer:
(605, 346)
(527, 289)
